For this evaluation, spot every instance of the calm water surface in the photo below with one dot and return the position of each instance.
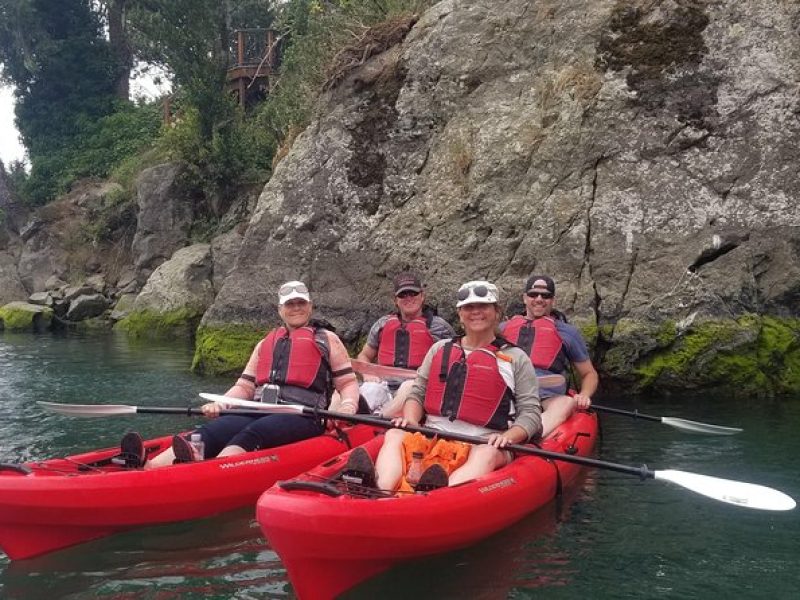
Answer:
(612, 537)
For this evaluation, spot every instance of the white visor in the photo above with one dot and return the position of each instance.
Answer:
(477, 292)
(291, 290)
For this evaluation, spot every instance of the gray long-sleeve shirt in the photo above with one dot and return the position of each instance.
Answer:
(519, 373)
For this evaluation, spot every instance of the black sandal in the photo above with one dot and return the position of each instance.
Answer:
(432, 478)
(359, 470)
(132, 454)
(182, 449)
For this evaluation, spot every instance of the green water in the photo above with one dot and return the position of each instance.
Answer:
(614, 537)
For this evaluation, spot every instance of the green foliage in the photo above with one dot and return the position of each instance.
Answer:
(238, 152)
(315, 31)
(57, 58)
(221, 350)
(95, 150)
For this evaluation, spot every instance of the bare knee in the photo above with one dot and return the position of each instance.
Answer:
(231, 451)
(394, 437)
(487, 457)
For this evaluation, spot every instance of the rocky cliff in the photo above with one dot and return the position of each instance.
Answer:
(644, 153)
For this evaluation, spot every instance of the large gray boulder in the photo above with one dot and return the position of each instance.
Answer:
(164, 218)
(224, 250)
(11, 287)
(87, 306)
(181, 283)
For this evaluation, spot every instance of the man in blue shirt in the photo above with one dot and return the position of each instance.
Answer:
(554, 346)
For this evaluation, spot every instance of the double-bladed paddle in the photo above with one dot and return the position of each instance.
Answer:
(367, 368)
(739, 493)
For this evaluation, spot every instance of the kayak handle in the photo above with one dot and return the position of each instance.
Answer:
(22, 469)
(310, 486)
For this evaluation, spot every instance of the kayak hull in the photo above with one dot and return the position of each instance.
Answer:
(63, 502)
(330, 544)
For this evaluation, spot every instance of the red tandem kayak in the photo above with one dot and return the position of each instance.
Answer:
(330, 541)
(45, 506)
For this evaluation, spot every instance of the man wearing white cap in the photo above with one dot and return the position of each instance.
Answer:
(300, 362)
(553, 345)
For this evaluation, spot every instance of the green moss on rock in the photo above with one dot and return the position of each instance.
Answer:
(751, 354)
(158, 325)
(22, 316)
(224, 349)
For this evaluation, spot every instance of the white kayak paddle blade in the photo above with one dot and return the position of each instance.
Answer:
(696, 427)
(88, 410)
(748, 495)
(267, 408)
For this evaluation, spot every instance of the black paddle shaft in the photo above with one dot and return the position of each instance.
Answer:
(628, 413)
(642, 472)
(189, 411)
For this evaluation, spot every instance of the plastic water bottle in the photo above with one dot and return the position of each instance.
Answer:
(415, 469)
(198, 446)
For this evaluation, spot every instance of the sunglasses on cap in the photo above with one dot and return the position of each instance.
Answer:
(481, 291)
(295, 287)
(543, 295)
(407, 294)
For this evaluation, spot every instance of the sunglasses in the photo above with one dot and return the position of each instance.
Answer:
(543, 295)
(481, 291)
(407, 294)
(288, 289)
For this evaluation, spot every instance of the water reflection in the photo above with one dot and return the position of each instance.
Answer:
(206, 558)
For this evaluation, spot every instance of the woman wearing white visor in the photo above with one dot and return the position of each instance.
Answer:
(299, 362)
(476, 384)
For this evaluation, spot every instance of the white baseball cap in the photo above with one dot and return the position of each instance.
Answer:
(477, 292)
(291, 290)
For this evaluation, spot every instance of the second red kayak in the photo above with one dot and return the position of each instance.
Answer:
(60, 502)
(330, 540)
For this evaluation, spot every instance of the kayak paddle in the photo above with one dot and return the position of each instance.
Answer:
(677, 423)
(367, 368)
(113, 410)
(739, 493)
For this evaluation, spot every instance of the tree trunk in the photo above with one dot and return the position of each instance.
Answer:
(120, 47)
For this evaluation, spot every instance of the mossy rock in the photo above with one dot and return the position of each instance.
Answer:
(22, 316)
(747, 355)
(224, 349)
(630, 341)
(150, 324)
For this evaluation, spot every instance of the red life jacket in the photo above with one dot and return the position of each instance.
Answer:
(469, 388)
(298, 362)
(404, 343)
(540, 340)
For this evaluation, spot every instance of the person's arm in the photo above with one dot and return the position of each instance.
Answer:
(370, 350)
(528, 408)
(368, 353)
(589, 382)
(578, 354)
(344, 380)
